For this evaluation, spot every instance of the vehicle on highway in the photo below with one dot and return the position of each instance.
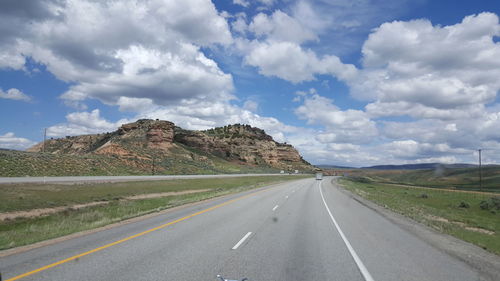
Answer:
(319, 176)
(223, 279)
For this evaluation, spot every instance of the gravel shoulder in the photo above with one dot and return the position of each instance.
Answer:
(481, 260)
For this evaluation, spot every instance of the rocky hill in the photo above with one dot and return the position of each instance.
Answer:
(244, 143)
(156, 146)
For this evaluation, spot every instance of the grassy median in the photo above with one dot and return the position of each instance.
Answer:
(118, 201)
(470, 216)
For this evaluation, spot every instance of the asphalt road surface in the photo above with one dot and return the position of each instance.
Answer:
(301, 230)
(82, 179)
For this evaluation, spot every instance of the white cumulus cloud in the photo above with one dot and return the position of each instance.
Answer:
(277, 49)
(280, 27)
(243, 3)
(11, 141)
(112, 49)
(340, 126)
(429, 71)
(289, 61)
(81, 123)
(14, 94)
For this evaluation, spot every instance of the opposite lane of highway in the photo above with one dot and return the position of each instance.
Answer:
(84, 179)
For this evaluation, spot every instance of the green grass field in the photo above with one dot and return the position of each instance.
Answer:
(464, 178)
(23, 231)
(472, 217)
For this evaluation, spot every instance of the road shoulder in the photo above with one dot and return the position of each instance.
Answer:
(484, 262)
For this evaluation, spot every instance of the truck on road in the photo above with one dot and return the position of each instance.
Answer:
(319, 176)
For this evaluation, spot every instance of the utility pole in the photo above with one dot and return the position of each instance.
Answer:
(44, 138)
(153, 159)
(480, 172)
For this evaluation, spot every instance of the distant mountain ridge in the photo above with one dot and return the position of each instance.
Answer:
(422, 166)
(327, 166)
(160, 147)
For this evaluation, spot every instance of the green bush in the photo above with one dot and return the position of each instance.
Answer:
(492, 203)
(361, 179)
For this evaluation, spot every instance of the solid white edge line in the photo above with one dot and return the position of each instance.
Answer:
(275, 207)
(242, 240)
(359, 263)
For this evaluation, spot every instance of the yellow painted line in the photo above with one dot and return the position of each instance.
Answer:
(129, 238)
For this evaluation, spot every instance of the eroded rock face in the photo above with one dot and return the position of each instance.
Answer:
(142, 139)
(160, 135)
(128, 127)
(157, 134)
(242, 143)
(69, 145)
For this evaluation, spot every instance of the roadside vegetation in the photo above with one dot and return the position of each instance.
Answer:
(466, 214)
(461, 178)
(102, 204)
(183, 160)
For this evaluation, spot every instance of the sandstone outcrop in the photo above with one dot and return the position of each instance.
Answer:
(243, 143)
(149, 139)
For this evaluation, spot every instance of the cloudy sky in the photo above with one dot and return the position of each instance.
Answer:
(347, 82)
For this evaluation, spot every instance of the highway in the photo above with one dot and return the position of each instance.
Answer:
(85, 179)
(301, 230)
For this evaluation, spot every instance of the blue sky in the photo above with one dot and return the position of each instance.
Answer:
(346, 82)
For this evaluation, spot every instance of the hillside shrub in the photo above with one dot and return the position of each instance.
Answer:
(492, 203)
(360, 179)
